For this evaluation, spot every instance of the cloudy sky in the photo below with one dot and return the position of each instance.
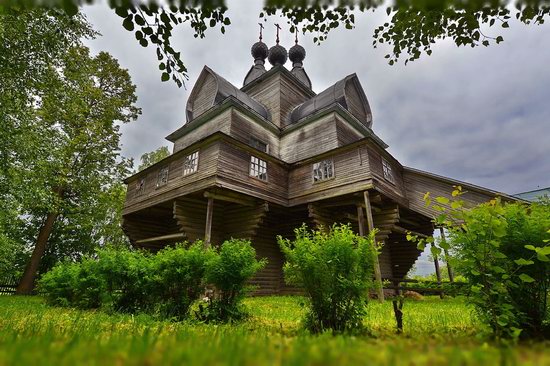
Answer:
(479, 115)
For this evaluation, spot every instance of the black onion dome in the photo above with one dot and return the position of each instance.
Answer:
(296, 53)
(277, 55)
(259, 51)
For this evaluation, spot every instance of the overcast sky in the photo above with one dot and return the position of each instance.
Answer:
(479, 115)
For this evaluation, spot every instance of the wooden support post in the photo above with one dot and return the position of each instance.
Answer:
(377, 272)
(447, 257)
(361, 220)
(208, 228)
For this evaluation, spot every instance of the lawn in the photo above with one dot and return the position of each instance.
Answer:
(437, 332)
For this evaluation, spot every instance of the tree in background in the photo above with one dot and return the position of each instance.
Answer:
(153, 157)
(60, 152)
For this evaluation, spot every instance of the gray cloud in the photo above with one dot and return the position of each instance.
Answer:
(480, 115)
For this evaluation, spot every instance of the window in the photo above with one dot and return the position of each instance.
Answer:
(323, 170)
(140, 187)
(257, 144)
(387, 170)
(258, 168)
(191, 163)
(162, 178)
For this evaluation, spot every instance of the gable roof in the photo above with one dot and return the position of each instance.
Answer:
(339, 93)
(222, 90)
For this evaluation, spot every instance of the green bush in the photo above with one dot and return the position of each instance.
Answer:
(165, 284)
(229, 271)
(179, 278)
(335, 269)
(504, 252)
(59, 284)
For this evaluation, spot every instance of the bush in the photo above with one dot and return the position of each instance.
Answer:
(335, 269)
(505, 255)
(164, 284)
(179, 278)
(229, 271)
(59, 284)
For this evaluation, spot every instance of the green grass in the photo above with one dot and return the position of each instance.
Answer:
(436, 333)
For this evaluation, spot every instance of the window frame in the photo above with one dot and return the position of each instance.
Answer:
(321, 180)
(161, 182)
(255, 142)
(388, 172)
(251, 168)
(196, 165)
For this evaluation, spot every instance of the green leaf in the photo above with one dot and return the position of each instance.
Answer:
(530, 247)
(435, 251)
(443, 200)
(139, 20)
(474, 272)
(165, 76)
(128, 24)
(121, 11)
(543, 258)
(526, 278)
(523, 262)
(505, 25)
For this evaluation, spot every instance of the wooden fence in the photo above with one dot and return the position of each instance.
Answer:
(8, 285)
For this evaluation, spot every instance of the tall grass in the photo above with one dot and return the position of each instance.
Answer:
(436, 333)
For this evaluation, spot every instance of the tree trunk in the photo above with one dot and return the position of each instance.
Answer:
(26, 285)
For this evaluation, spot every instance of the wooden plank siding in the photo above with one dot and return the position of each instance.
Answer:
(234, 165)
(205, 98)
(355, 103)
(345, 133)
(243, 128)
(349, 167)
(177, 183)
(312, 139)
(220, 123)
(417, 184)
(279, 94)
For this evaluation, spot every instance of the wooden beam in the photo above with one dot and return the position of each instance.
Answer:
(160, 238)
(208, 228)
(228, 197)
(361, 219)
(377, 272)
(402, 230)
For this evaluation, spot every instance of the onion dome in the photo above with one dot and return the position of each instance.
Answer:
(297, 54)
(259, 51)
(277, 55)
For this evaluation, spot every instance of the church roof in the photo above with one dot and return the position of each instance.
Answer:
(212, 89)
(347, 92)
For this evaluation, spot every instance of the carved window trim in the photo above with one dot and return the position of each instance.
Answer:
(191, 163)
(323, 170)
(387, 171)
(162, 177)
(258, 168)
(140, 187)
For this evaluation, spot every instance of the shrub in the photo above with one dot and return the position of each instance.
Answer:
(229, 271)
(335, 269)
(504, 252)
(179, 278)
(164, 284)
(59, 284)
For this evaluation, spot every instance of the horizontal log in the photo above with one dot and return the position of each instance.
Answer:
(160, 238)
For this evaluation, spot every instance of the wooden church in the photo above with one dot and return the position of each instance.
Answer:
(258, 161)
